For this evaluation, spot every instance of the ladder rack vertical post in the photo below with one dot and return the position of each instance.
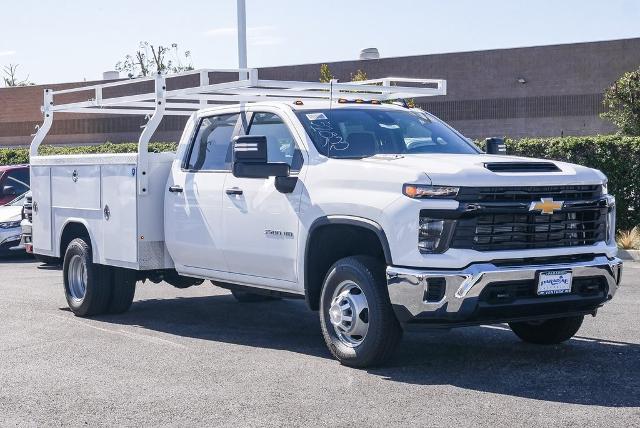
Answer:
(147, 133)
(204, 81)
(42, 132)
(98, 97)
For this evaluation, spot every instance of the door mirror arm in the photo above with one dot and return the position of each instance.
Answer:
(286, 184)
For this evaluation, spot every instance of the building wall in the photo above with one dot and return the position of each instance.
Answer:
(562, 94)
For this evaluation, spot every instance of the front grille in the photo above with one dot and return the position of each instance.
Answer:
(28, 208)
(529, 193)
(508, 231)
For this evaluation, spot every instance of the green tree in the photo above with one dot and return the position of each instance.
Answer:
(11, 77)
(358, 76)
(149, 59)
(325, 74)
(622, 101)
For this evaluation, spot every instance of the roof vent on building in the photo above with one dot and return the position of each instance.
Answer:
(369, 53)
(111, 75)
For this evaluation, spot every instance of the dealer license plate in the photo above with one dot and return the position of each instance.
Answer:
(554, 282)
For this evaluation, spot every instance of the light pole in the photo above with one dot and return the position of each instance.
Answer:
(242, 38)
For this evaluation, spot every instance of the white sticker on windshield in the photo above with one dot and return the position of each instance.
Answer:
(389, 126)
(316, 116)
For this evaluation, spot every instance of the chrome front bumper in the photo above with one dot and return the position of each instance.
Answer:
(409, 288)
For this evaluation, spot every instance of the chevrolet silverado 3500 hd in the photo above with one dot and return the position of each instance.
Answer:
(380, 216)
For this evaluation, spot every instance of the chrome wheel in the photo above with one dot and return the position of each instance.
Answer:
(349, 313)
(77, 277)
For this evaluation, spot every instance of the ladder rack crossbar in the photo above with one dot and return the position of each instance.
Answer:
(250, 90)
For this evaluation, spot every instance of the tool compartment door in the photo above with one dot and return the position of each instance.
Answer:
(41, 218)
(119, 213)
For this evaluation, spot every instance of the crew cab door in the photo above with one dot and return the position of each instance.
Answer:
(260, 224)
(193, 199)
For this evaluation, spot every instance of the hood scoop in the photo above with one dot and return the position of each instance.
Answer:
(521, 167)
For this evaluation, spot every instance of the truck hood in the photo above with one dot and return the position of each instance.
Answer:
(470, 170)
(10, 213)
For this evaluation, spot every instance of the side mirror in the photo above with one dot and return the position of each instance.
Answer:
(496, 146)
(9, 191)
(250, 159)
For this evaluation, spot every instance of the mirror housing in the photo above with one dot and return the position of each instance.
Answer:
(496, 146)
(9, 191)
(250, 159)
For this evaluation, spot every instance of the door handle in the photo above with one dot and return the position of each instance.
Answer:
(233, 191)
(175, 189)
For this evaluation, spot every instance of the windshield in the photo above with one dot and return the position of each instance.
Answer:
(357, 133)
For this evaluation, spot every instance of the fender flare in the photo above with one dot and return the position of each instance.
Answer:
(84, 223)
(343, 220)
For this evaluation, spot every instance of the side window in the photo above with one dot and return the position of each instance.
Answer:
(18, 179)
(211, 148)
(281, 146)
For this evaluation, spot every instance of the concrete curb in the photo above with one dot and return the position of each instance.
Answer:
(629, 254)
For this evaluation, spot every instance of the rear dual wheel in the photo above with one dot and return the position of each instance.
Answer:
(94, 289)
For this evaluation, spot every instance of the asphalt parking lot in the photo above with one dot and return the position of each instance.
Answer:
(196, 356)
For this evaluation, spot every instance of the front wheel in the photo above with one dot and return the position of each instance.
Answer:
(357, 320)
(548, 332)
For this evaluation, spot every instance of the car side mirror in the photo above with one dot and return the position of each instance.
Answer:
(496, 146)
(8, 191)
(250, 159)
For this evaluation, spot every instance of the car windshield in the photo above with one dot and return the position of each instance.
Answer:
(358, 133)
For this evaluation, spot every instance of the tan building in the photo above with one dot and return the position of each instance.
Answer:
(535, 91)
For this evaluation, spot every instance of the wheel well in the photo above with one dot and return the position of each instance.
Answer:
(329, 243)
(72, 231)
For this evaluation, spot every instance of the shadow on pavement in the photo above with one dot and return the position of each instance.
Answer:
(18, 258)
(581, 371)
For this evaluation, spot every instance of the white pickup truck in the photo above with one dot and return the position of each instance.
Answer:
(379, 215)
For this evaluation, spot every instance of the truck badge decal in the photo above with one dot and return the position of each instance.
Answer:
(546, 206)
(277, 234)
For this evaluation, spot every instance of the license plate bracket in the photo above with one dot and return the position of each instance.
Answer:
(553, 282)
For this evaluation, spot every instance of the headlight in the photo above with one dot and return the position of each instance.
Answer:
(419, 191)
(9, 224)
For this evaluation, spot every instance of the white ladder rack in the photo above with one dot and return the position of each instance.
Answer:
(183, 102)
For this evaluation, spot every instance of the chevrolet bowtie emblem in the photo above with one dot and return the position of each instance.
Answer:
(546, 206)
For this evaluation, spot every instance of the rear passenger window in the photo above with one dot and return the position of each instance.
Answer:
(211, 148)
(281, 146)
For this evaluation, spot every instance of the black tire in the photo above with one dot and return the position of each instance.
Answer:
(246, 297)
(97, 295)
(384, 331)
(123, 289)
(549, 332)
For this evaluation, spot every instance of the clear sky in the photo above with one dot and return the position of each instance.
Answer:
(70, 40)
